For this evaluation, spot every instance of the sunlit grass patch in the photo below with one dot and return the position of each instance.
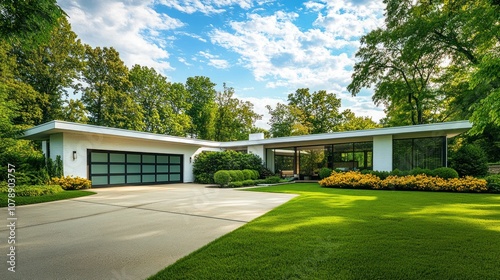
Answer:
(357, 234)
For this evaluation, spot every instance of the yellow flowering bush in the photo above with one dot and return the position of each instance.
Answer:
(71, 183)
(351, 179)
(421, 182)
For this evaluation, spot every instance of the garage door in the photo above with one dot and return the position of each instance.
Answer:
(128, 168)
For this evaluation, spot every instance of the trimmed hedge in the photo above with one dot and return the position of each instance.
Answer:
(325, 172)
(235, 178)
(493, 183)
(421, 182)
(222, 177)
(36, 190)
(71, 183)
(207, 163)
(248, 174)
(445, 172)
(442, 172)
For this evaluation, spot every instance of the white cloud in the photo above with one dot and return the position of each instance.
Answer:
(277, 51)
(205, 6)
(350, 19)
(195, 36)
(183, 61)
(260, 108)
(314, 6)
(133, 28)
(214, 60)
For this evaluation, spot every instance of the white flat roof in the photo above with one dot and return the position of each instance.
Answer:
(43, 131)
(448, 129)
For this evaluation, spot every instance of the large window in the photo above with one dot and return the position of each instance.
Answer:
(308, 160)
(427, 153)
(350, 155)
(120, 168)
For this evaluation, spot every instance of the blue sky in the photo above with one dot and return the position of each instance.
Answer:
(264, 49)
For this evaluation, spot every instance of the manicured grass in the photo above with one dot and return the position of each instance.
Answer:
(24, 200)
(357, 234)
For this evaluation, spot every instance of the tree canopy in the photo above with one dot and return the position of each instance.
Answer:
(434, 61)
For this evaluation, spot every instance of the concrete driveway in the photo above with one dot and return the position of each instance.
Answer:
(125, 232)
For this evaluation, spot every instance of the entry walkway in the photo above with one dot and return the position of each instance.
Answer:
(126, 232)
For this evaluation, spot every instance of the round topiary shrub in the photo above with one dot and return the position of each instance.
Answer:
(325, 172)
(222, 177)
(234, 175)
(256, 175)
(419, 171)
(445, 172)
(240, 175)
(248, 174)
(470, 160)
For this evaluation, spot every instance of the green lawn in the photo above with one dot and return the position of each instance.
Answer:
(357, 234)
(24, 200)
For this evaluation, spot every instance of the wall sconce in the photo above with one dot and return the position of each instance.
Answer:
(190, 159)
(74, 155)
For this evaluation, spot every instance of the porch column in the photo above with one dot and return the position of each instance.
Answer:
(382, 153)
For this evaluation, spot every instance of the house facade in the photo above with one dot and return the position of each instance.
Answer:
(110, 156)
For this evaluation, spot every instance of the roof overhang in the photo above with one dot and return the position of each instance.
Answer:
(43, 132)
(447, 129)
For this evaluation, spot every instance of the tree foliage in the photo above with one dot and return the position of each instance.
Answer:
(314, 113)
(28, 22)
(163, 107)
(52, 67)
(234, 118)
(201, 96)
(442, 57)
(106, 92)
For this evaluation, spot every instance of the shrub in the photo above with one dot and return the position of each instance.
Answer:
(235, 184)
(325, 172)
(445, 172)
(72, 183)
(255, 174)
(35, 190)
(265, 172)
(233, 175)
(381, 174)
(351, 179)
(248, 183)
(240, 175)
(419, 171)
(272, 180)
(420, 182)
(207, 163)
(222, 177)
(248, 174)
(470, 160)
(493, 183)
(29, 162)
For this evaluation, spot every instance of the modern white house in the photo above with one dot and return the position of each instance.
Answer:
(110, 156)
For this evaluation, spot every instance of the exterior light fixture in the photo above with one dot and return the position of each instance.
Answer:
(74, 155)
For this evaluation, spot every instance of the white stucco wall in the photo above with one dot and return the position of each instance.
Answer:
(82, 142)
(382, 153)
(257, 150)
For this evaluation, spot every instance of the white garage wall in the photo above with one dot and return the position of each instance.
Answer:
(83, 142)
